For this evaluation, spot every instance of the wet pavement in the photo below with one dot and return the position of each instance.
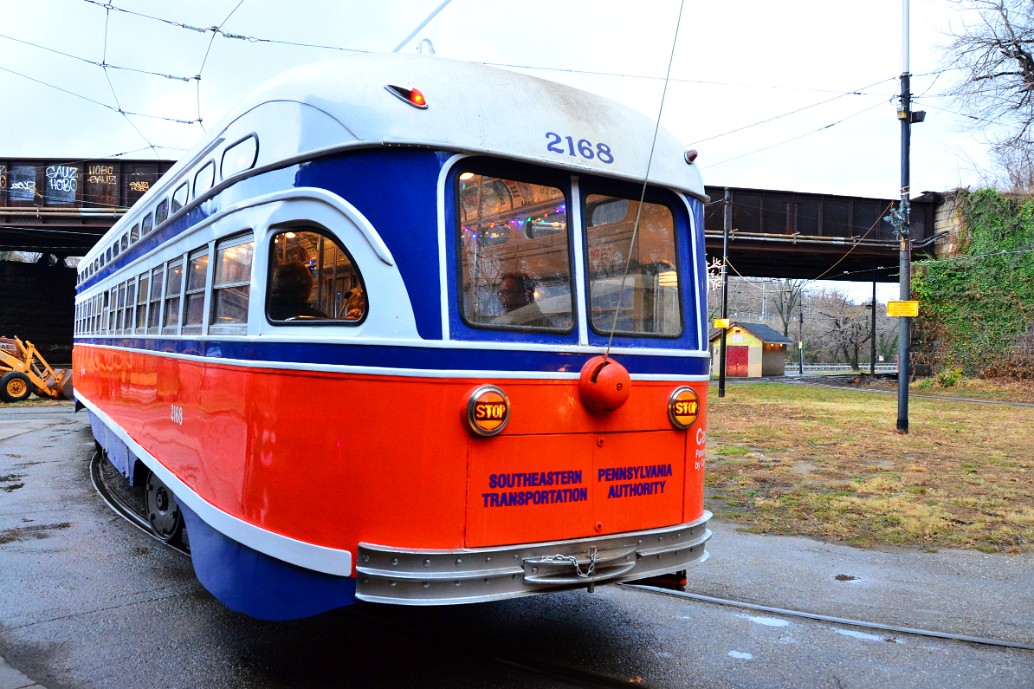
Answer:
(86, 600)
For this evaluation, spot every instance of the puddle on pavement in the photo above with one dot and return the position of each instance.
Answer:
(767, 621)
(849, 578)
(30, 532)
(866, 636)
(11, 482)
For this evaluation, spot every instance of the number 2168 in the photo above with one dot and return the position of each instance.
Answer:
(566, 145)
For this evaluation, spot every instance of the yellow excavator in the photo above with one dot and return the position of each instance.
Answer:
(23, 371)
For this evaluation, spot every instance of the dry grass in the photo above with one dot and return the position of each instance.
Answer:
(829, 463)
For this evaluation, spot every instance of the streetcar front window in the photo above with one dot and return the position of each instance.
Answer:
(633, 267)
(515, 262)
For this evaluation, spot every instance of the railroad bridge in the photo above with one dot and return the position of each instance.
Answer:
(61, 207)
(785, 234)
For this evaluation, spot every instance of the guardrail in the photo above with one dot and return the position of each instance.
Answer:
(844, 368)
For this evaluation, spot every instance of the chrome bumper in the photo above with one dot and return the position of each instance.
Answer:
(449, 577)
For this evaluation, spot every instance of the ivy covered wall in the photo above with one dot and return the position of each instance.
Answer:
(976, 308)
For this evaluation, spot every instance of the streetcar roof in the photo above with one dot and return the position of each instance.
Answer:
(471, 108)
(477, 108)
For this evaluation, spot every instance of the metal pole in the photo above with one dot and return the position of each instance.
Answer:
(905, 258)
(727, 225)
(800, 337)
(872, 330)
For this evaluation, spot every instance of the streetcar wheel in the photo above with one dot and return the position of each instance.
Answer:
(15, 386)
(163, 512)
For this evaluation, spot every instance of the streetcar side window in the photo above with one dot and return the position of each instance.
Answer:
(130, 304)
(204, 179)
(515, 262)
(197, 280)
(141, 304)
(231, 287)
(633, 272)
(240, 157)
(161, 213)
(173, 289)
(312, 279)
(155, 302)
(179, 197)
(107, 319)
(121, 317)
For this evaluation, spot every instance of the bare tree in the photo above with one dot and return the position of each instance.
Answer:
(787, 301)
(844, 325)
(994, 50)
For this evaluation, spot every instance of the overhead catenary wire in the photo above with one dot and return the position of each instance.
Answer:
(219, 30)
(795, 138)
(857, 92)
(104, 63)
(215, 32)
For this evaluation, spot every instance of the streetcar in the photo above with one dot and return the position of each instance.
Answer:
(413, 331)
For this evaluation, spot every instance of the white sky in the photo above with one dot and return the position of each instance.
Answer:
(736, 64)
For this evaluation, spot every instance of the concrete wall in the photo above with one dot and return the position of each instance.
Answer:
(37, 303)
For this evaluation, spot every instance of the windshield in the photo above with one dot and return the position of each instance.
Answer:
(515, 263)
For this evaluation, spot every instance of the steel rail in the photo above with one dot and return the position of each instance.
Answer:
(123, 509)
(911, 631)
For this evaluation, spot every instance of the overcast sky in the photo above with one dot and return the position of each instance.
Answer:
(796, 95)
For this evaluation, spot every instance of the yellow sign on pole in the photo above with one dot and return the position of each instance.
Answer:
(721, 323)
(903, 309)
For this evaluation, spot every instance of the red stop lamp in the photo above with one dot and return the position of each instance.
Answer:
(683, 407)
(604, 385)
(488, 411)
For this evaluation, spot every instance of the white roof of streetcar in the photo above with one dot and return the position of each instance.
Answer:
(471, 108)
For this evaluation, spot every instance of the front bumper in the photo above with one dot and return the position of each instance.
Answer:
(447, 577)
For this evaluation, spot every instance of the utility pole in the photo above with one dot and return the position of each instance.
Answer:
(872, 331)
(727, 226)
(800, 336)
(907, 117)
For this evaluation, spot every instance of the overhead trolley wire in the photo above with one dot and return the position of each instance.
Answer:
(219, 30)
(795, 138)
(105, 64)
(646, 180)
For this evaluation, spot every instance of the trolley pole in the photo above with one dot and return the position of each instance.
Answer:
(727, 225)
(905, 258)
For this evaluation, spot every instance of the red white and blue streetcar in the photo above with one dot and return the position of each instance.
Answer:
(412, 331)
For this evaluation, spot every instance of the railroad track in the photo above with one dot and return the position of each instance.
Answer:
(101, 473)
(515, 661)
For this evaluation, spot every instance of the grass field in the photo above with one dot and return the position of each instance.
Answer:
(829, 463)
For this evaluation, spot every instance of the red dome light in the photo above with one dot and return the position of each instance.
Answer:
(412, 96)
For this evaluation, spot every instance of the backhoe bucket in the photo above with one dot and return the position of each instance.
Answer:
(63, 386)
